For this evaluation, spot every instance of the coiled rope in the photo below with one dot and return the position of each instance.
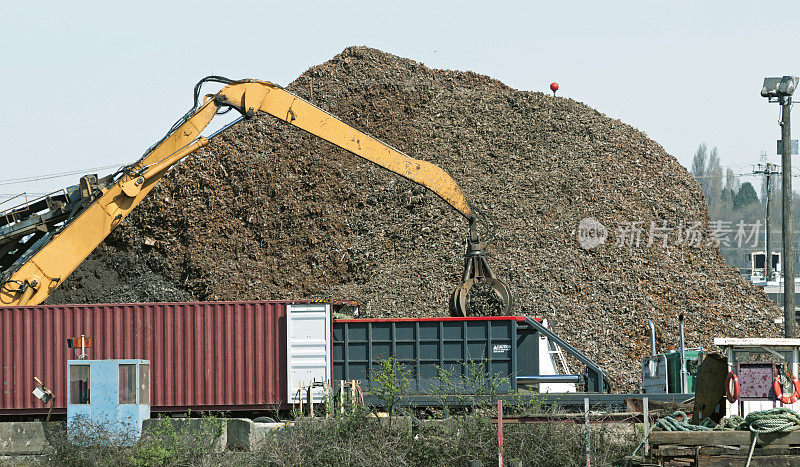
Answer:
(679, 421)
(777, 420)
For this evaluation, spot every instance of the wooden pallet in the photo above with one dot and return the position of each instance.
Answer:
(723, 448)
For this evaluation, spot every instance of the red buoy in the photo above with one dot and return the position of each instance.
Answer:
(554, 87)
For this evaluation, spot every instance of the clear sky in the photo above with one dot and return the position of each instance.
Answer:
(90, 84)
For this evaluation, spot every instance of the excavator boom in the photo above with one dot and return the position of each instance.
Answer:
(269, 98)
(41, 244)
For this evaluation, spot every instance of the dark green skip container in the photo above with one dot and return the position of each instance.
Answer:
(467, 352)
(459, 347)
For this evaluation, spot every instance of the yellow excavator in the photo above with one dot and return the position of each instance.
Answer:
(43, 240)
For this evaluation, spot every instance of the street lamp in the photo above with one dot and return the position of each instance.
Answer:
(781, 90)
(779, 87)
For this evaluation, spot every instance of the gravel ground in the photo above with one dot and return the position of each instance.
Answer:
(267, 212)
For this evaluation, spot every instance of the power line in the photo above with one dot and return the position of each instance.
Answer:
(36, 178)
(32, 193)
(714, 176)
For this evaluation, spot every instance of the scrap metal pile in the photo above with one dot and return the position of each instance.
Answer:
(267, 211)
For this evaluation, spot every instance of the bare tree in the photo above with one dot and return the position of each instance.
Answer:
(713, 178)
(699, 161)
(731, 180)
(730, 187)
(707, 170)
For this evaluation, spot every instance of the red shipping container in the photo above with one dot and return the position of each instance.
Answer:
(227, 356)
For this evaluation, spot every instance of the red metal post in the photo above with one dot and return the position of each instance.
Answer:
(500, 432)
(588, 445)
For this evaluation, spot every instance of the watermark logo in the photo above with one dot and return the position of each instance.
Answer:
(591, 233)
(692, 234)
(665, 234)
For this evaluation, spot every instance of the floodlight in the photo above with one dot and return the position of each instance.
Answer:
(779, 87)
(41, 392)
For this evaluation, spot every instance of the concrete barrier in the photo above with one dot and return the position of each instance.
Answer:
(241, 434)
(188, 431)
(27, 438)
(246, 435)
(32, 438)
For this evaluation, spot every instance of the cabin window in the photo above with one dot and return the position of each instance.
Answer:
(127, 384)
(79, 384)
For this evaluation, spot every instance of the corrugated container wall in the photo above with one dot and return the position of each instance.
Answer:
(208, 355)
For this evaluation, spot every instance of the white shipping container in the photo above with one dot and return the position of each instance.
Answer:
(308, 349)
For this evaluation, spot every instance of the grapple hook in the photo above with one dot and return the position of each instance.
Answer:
(477, 271)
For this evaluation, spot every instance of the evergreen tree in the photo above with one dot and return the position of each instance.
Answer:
(745, 197)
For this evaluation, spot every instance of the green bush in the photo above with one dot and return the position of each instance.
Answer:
(350, 439)
(88, 444)
(362, 440)
(390, 383)
(173, 442)
(169, 442)
(355, 438)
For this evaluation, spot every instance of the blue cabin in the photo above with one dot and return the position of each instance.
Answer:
(113, 395)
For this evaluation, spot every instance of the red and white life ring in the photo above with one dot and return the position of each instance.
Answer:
(779, 391)
(732, 392)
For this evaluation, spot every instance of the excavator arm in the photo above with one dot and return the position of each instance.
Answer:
(38, 250)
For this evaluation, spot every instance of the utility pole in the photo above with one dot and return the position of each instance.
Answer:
(768, 170)
(768, 239)
(782, 89)
(788, 245)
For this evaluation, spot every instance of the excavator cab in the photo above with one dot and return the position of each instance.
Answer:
(480, 292)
